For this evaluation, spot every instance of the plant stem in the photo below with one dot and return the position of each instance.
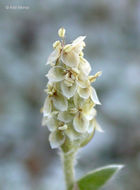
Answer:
(68, 166)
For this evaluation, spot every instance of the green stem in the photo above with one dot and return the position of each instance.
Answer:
(68, 166)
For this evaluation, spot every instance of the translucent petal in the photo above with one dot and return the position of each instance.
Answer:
(80, 123)
(60, 102)
(84, 92)
(94, 96)
(92, 125)
(91, 114)
(78, 44)
(78, 40)
(82, 80)
(52, 123)
(56, 139)
(85, 66)
(67, 48)
(47, 108)
(65, 116)
(87, 138)
(87, 106)
(72, 134)
(53, 56)
(68, 91)
(56, 74)
(98, 127)
(78, 101)
(70, 59)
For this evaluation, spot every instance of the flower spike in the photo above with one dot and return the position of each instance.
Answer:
(69, 109)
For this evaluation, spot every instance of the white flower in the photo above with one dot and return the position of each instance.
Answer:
(55, 54)
(66, 77)
(59, 130)
(54, 100)
(85, 90)
(65, 116)
(56, 74)
(70, 55)
(60, 102)
(89, 92)
(56, 139)
(80, 122)
(56, 127)
(70, 59)
(72, 134)
(68, 91)
(85, 112)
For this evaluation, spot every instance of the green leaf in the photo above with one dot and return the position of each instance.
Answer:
(97, 178)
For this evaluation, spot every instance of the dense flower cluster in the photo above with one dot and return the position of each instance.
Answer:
(69, 110)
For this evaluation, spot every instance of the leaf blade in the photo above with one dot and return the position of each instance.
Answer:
(97, 178)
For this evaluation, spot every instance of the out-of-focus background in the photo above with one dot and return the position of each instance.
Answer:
(113, 46)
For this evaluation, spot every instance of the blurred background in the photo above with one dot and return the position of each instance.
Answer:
(113, 46)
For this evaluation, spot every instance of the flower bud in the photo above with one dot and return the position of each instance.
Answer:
(61, 32)
(94, 77)
(55, 44)
(68, 48)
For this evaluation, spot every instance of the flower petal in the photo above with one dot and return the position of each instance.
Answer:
(84, 66)
(78, 44)
(56, 139)
(84, 92)
(78, 101)
(87, 106)
(47, 108)
(60, 102)
(80, 123)
(98, 127)
(72, 134)
(56, 74)
(82, 80)
(94, 96)
(68, 91)
(70, 59)
(65, 116)
(92, 125)
(53, 56)
(78, 40)
(91, 114)
(52, 123)
(88, 137)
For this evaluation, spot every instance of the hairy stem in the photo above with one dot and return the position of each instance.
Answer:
(68, 160)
